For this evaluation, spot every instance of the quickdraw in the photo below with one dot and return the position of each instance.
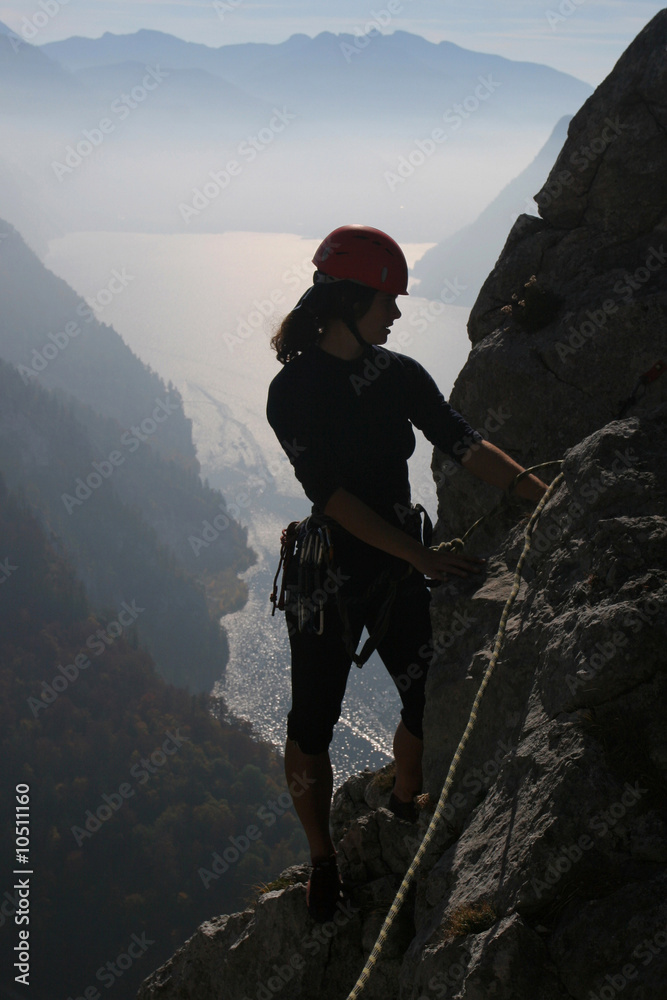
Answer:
(315, 552)
(287, 545)
(309, 543)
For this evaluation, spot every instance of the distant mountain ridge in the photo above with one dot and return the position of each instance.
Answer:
(314, 128)
(394, 74)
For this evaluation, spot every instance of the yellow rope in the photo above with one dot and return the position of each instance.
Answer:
(440, 808)
(458, 544)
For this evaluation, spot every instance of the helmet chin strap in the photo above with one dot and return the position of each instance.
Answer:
(320, 279)
(351, 324)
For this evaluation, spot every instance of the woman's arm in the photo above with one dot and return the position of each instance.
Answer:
(483, 460)
(493, 466)
(362, 522)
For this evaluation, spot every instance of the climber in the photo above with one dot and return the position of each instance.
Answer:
(343, 408)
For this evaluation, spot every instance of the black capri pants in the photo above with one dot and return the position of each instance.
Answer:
(321, 663)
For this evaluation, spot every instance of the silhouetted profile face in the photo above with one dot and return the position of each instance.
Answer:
(374, 324)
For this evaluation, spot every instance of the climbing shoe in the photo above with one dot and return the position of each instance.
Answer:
(404, 810)
(324, 890)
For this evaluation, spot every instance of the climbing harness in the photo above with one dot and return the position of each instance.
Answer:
(440, 808)
(309, 544)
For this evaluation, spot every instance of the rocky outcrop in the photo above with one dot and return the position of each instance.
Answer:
(547, 879)
(466, 256)
(573, 314)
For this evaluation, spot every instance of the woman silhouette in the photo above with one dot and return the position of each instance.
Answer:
(343, 408)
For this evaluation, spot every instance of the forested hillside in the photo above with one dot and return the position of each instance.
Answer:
(56, 338)
(134, 784)
(103, 451)
(51, 449)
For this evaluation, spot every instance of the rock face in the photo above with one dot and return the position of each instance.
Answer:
(556, 360)
(468, 254)
(547, 880)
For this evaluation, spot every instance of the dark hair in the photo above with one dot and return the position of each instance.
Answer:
(323, 302)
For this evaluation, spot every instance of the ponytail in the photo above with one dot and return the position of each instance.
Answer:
(324, 301)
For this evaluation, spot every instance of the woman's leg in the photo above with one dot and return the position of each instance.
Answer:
(408, 756)
(320, 668)
(405, 650)
(310, 781)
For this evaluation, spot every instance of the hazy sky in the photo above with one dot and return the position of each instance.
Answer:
(582, 37)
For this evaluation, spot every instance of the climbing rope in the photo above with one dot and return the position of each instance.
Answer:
(440, 808)
(457, 544)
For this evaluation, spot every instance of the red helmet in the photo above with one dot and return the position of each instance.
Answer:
(365, 255)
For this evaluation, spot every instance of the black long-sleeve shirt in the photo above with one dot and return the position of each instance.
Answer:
(349, 424)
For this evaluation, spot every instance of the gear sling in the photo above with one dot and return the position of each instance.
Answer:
(307, 553)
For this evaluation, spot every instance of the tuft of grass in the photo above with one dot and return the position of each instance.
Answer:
(282, 882)
(467, 919)
(384, 780)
